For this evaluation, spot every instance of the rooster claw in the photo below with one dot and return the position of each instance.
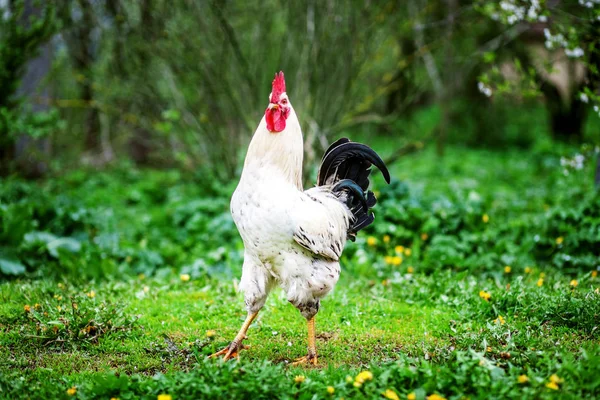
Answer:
(305, 360)
(230, 351)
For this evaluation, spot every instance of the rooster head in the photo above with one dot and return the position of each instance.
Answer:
(279, 106)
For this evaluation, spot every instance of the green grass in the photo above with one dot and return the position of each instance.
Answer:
(435, 328)
(129, 327)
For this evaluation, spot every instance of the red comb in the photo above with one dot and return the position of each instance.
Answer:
(278, 87)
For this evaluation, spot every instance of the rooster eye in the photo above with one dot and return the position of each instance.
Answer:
(284, 101)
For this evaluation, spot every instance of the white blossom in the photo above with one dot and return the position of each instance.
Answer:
(583, 97)
(576, 163)
(483, 88)
(574, 53)
(534, 10)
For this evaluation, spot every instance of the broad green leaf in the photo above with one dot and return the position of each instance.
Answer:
(11, 267)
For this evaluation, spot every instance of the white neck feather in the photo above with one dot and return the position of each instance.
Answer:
(283, 150)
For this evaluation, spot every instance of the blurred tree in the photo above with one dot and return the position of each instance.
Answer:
(25, 28)
(187, 82)
(561, 60)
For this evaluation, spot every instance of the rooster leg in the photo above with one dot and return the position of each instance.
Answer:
(236, 345)
(311, 358)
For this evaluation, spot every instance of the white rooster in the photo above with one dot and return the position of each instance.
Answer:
(294, 238)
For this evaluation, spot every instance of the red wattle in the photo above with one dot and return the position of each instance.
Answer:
(275, 120)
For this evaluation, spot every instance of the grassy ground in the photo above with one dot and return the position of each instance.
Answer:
(450, 294)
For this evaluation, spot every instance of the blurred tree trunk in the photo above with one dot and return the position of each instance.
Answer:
(84, 63)
(80, 43)
(567, 117)
(32, 154)
(140, 144)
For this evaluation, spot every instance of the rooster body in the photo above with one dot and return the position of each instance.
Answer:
(294, 238)
(272, 214)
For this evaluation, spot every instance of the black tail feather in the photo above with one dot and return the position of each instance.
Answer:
(340, 159)
(347, 165)
(334, 145)
(356, 191)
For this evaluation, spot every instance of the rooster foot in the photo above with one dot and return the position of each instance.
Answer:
(230, 351)
(309, 359)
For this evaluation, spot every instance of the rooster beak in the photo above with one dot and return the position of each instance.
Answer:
(273, 106)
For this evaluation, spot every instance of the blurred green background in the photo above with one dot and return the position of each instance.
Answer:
(183, 84)
(123, 125)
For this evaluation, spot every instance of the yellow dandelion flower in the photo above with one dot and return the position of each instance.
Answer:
(399, 249)
(27, 308)
(594, 274)
(91, 294)
(527, 270)
(485, 218)
(299, 378)
(523, 379)
(574, 283)
(71, 391)
(349, 379)
(164, 397)
(60, 285)
(396, 260)
(37, 306)
(364, 376)
(507, 269)
(407, 252)
(424, 236)
(184, 277)
(210, 333)
(540, 282)
(500, 320)
(371, 241)
(556, 379)
(411, 396)
(390, 394)
(388, 259)
(484, 295)
(552, 385)
(114, 398)
(559, 240)
(75, 306)
(357, 384)
(488, 349)
(59, 308)
(410, 269)
(330, 389)
(386, 238)
(435, 396)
